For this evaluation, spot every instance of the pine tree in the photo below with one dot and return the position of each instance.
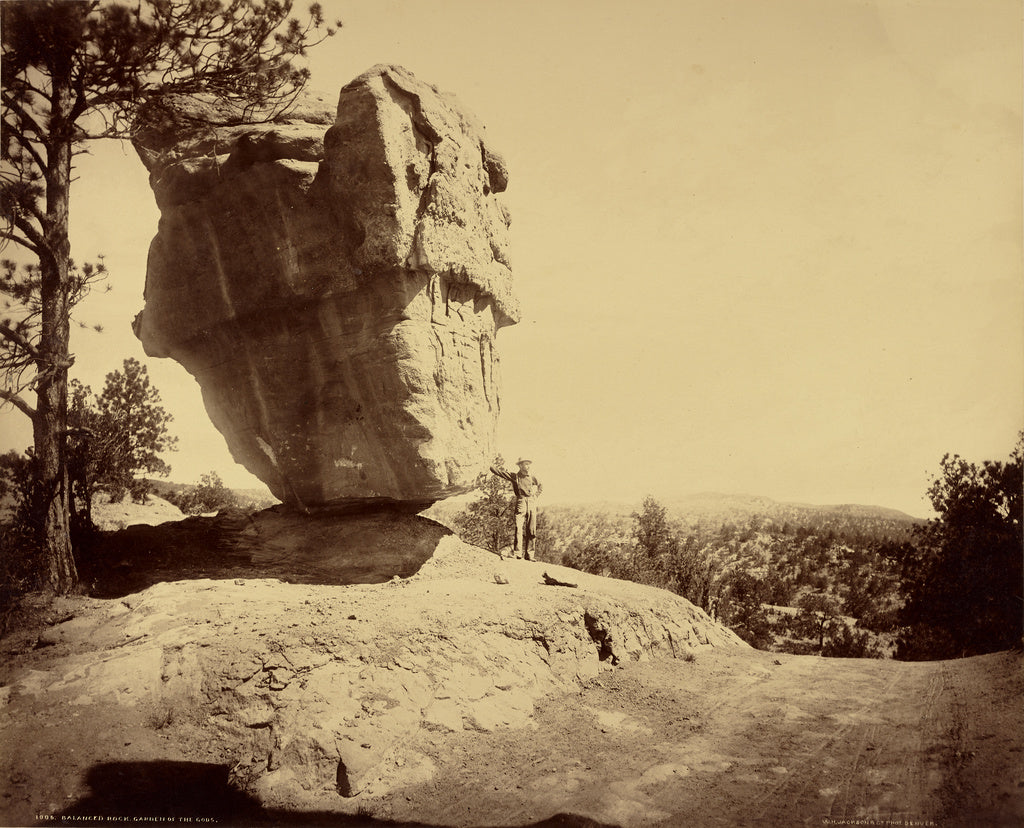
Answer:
(80, 70)
(129, 432)
(962, 580)
(487, 521)
(651, 529)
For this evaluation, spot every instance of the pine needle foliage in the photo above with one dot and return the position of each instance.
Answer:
(74, 71)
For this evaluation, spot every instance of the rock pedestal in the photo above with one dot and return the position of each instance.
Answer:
(335, 283)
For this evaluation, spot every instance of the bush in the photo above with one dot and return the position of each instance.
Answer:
(22, 560)
(22, 567)
(487, 520)
(208, 495)
(963, 580)
(843, 641)
(120, 435)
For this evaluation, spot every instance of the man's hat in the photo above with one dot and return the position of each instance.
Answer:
(520, 462)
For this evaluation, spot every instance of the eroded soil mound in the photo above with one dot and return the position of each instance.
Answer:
(110, 517)
(475, 693)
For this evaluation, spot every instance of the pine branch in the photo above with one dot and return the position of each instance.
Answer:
(33, 241)
(25, 143)
(11, 335)
(14, 237)
(18, 402)
(20, 85)
(19, 198)
(23, 116)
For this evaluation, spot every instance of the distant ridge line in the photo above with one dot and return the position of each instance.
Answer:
(860, 508)
(724, 502)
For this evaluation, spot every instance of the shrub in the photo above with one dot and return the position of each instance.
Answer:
(208, 495)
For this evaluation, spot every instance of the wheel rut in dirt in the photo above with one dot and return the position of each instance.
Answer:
(744, 740)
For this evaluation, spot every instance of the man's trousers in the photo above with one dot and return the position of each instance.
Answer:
(526, 525)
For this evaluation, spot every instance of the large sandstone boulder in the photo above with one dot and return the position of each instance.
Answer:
(335, 283)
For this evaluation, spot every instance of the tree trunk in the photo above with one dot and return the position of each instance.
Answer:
(52, 509)
(53, 514)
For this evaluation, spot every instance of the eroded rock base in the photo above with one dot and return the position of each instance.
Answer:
(323, 692)
(370, 545)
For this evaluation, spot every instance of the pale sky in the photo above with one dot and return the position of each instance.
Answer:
(771, 248)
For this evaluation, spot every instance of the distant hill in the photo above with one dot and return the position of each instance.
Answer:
(109, 517)
(718, 505)
(255, 498)
(262, 497)
(258, 498)
(849, 519)
(711, 505)
(706, 510)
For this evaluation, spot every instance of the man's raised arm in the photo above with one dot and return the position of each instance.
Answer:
(503, 474)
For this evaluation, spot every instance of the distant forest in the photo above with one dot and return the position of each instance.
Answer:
(843, 581)
(785, 577)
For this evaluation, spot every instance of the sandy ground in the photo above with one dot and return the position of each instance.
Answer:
(109, 516)
(727, 737)
(752, 739)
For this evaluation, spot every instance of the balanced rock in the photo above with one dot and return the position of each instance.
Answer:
(335, 283)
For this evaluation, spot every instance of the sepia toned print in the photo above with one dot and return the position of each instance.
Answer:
(740, 282)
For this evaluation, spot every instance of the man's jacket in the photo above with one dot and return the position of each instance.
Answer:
(524, 485)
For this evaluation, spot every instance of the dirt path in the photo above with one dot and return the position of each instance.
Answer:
(726, 740)
(742, 740)
(731, 737)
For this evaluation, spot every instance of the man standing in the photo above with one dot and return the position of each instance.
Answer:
(527, 489)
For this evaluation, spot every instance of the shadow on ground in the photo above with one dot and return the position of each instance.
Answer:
(324, 547)
(197, 793)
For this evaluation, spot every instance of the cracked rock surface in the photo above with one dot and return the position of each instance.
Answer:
(448, 698)
(328, 692)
